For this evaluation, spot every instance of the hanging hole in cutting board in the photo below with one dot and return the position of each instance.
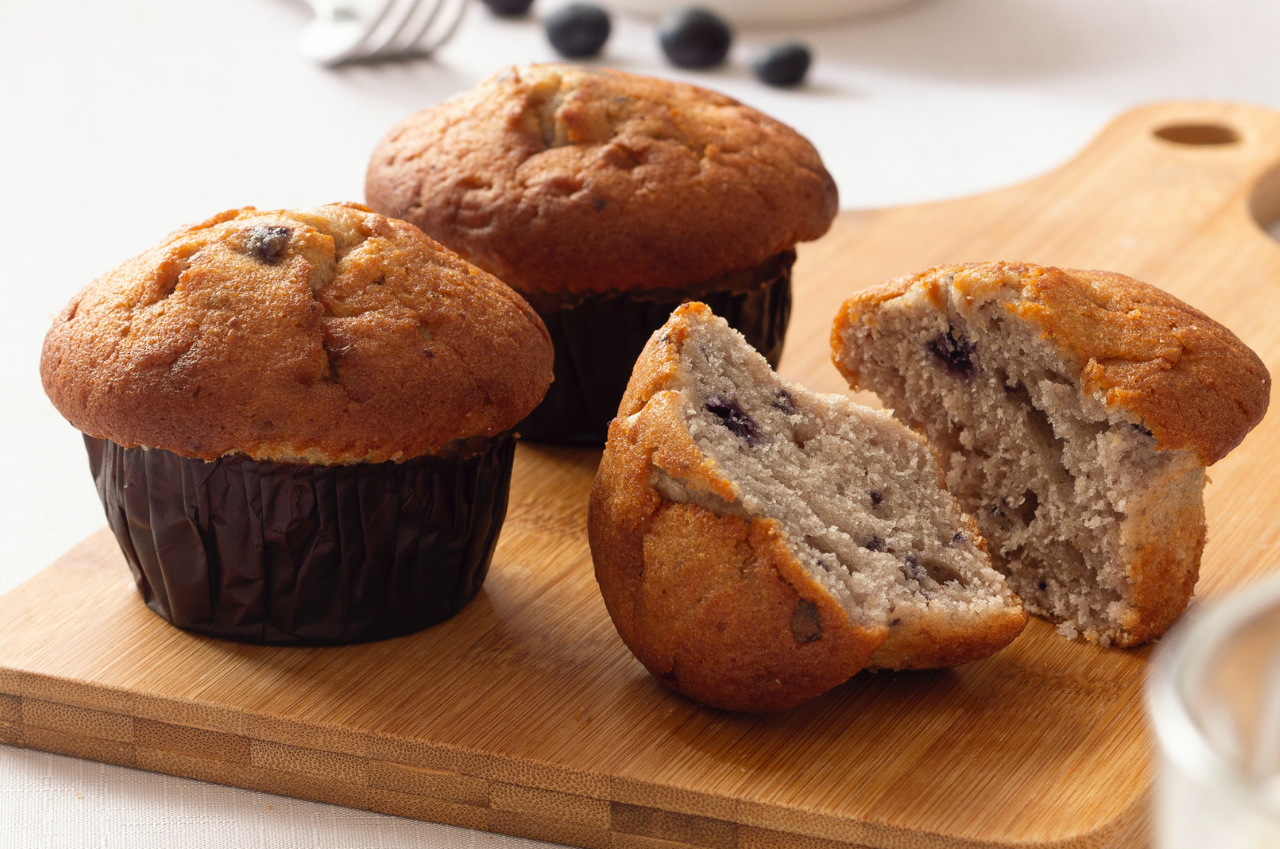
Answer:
(1198, 135)
(1264, 202)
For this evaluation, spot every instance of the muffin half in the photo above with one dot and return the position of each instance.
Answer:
(1075, 413)
(757, 544)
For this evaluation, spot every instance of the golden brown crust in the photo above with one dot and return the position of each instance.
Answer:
(935, 643)
(1164, 536)
(860, 308)
(1188, 379)
(559, 178)
(715, 607)
(327, 335)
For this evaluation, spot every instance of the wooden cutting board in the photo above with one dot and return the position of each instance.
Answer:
(526, 715)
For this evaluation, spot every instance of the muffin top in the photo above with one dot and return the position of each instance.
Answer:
(1183, 376)
(563, 179)
(327, 335)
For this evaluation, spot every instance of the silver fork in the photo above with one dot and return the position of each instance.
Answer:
(343, 33)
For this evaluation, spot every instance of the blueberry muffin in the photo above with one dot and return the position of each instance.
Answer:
(757, 544)
(299, 421)
(1075, 413)
(606, 200)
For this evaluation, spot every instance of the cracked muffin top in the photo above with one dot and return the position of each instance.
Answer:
(327, 335)
(1181, 375)
(562, 179)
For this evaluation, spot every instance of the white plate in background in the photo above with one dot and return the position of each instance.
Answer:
(762, 11)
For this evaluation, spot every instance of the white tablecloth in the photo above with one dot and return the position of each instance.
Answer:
(123, 120)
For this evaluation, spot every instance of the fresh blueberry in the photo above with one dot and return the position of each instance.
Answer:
(694, 38)
(509, 8)
(578, 30)
(782, 64)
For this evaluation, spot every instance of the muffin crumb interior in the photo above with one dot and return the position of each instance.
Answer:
(856, 494)
(1048, 472)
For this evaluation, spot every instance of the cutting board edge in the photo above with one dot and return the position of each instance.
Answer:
(106, 709)
(763, 824)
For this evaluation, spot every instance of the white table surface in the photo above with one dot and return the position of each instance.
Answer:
(120, 121)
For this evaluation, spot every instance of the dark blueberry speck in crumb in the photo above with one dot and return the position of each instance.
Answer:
(784, 402)
(806, 624)
(874, 544)
(732, 416)
(268, 244)
(1043, 586)
(954, 351)
(1141, 429)
(959, 537)
(912, 569)
(876, 497)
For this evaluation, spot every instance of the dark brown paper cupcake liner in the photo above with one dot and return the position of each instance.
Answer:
(598, 339)
(294, 554)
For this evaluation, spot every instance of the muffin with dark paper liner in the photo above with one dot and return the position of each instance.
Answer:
(300, 421)
(607, 200)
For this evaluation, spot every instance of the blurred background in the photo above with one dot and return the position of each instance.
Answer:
(122, 121)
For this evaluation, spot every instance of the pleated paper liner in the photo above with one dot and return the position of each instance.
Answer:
(295, 554)
(598, 338)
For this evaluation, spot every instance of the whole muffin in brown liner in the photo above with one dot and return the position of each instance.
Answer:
(599, 195)
(299, 421)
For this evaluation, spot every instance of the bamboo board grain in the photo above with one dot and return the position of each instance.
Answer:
(526, 715)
